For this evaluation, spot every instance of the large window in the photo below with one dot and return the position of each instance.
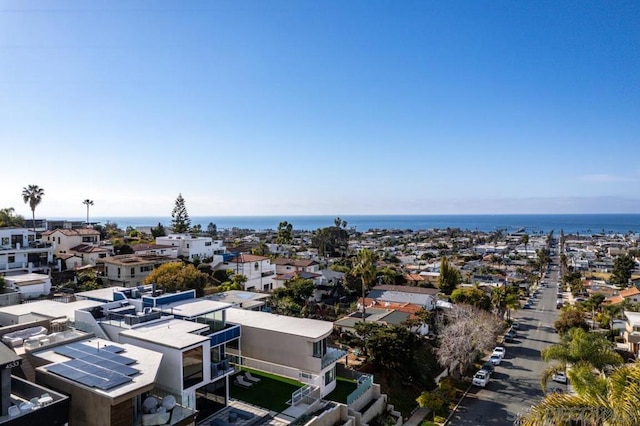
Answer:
(320, 348)
(215, 320)
(192, 367)
(330, 376)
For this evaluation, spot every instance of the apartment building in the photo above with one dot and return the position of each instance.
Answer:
(20, 251)
(193, 247)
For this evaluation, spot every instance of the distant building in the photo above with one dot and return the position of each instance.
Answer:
(130, 270)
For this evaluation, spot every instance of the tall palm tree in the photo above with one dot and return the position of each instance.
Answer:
(365, 268)
(611, 400)
(32, 195)
(87, 202)
(525, 241)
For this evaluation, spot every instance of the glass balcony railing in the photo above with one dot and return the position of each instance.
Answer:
(332, 355)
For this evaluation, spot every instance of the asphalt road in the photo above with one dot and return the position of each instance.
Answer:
(515, 384)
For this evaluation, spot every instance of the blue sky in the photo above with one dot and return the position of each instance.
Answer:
(321, 107)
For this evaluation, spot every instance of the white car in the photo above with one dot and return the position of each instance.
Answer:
(560, 377)
(481, 378)
(500, 351)
(495, 359)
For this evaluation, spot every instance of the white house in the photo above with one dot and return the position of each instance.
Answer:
(191, 247)
(20, 251)
(30, 286)
(258, 269)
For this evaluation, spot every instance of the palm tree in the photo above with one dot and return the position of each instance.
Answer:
(32, 194)
(579, 348)
(611, 400)
(87, 202)
(365, 267)
(525, 241)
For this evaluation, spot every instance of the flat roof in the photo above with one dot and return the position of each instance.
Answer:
(174, 333)
(147, 362)
(105, 294)
(26, 279)
(192, 307)
(304, 327)
(50, 308)
(245, 299)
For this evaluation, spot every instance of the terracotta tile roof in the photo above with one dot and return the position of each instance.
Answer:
(73, 232)
(407, 289)
(301, 263)
(614, 300)
(143, 246)
(247, 258)
(89, 248)
(414, 277)
(633, 291)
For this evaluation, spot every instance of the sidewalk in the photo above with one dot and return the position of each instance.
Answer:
(417, 417)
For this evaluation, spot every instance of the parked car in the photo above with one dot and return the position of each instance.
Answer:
(560, 377)
(481, 378)
(495, 359)
(499, 350)
(559, 303)
(515, 325)
(488, 366)
(512, 334)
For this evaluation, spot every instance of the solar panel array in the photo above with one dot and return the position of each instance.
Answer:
(101, 368)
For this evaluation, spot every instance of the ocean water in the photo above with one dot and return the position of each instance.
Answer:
(570, 223)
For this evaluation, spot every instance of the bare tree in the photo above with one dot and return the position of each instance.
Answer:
(466, 332)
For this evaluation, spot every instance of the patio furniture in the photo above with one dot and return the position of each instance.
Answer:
(241, 381)
(251, 378)
(244, 415)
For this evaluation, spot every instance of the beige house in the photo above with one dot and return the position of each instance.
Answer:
(307, 357)
(631, 333)
(130, 270)
(83, 242)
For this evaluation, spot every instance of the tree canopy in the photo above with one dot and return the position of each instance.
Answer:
(472, 296)
(176, 276)
(32, 195)
(285, 233)
(449, 277)
(9, 218)
(623, 266)
(570, 318)
(180, 221)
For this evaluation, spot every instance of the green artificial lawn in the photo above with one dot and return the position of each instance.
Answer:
(272, 392)
(344, 387)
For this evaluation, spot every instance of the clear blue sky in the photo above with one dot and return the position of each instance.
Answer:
(320, 107)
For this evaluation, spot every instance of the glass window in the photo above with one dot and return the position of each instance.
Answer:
(320, 348)
(192, 367)
(330, 376)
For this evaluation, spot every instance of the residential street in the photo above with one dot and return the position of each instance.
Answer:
(515, 384)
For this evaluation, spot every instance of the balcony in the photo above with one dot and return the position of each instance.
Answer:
(35, 405)
(221, 368)
(332, 355)
(229, 333)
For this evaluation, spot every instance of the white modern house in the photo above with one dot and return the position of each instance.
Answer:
(20, 251)
(307, 358)
(30, 286)
(258, 269)
(193, 247)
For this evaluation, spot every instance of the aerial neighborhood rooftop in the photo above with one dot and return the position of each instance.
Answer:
(105, 327)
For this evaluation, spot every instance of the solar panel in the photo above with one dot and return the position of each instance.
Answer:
(99, 368)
